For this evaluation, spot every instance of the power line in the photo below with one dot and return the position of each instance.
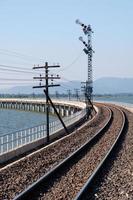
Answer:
(18, 55)
(18, 71)
(67, 79)
(65, 86)
(72, 63)
(9, 79)
(13, 67)
(14, 83)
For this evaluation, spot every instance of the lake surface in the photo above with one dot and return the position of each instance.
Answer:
(121, 99)
(13, 120)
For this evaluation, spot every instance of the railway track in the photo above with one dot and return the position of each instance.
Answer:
(76, 172)
(17, 176)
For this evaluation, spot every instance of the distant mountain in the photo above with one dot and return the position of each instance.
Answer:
(108, 85)
(64, 86)
(18, 90)
(112, 85)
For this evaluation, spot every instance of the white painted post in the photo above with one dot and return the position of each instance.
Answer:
(25, 137)
(7, 143)
(2, 145)
(21, 140)
(11, 141)
(17, 140)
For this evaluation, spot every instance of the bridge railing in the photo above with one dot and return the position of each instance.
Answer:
(11, 141)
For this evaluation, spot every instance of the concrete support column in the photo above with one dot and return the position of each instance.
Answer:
(39, 108)
(62, 112)
(52, 111)
(29, 106)
(17, 106)
(43, 108)
(72, 111)
(32, 108)
(67, 112)
(26, 107)
(58, 110)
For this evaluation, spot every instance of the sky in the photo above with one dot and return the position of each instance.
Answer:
(36, 31)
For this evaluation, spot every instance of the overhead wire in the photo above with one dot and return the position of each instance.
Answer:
(14, 79)
(18, 71)
(68, 66)
(14, 67)
(72, 63)
(25, 70)
(65, 86)
(14, 83)
(19, 55)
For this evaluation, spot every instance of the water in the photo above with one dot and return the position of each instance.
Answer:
(13, 120)
(122, 99)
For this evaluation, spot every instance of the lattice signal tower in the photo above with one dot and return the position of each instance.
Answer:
(89, 51)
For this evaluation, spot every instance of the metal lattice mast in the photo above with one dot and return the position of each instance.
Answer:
(90, 80)
(88, 50)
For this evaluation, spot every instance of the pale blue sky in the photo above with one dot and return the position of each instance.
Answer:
(46, 29)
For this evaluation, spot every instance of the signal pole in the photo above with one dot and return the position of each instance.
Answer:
(46, 91)
(88, 50)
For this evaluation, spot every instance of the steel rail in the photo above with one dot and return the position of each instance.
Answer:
(90, 181)
(27, 194)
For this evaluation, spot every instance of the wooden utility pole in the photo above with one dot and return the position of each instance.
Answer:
(46, 86)
(47, 77)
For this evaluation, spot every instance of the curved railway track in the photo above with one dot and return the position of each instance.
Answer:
(17, 176)
(76, 172)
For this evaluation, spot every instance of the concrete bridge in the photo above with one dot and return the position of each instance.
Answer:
(65, 108)
(21, 141)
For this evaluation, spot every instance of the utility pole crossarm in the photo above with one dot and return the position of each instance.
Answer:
(46, 86)
(51, 77)
(46, 91)
(53, 66)
(40, 86)
(44, 67)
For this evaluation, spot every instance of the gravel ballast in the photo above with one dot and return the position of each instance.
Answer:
(17, 177)
(117, 181)
(69, 184)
